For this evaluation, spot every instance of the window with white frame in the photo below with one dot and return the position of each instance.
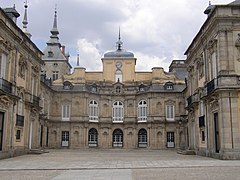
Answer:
(170, 114)
(65, 112)
(3, 64)
(55, 75)
(93, 110)
(118, 111)
(142, 111)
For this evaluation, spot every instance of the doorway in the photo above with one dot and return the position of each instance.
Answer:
(170, 140)
(117, 138)
(65, 138)
(1, 129)
(216, 132)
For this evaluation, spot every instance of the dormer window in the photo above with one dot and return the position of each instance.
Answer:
(168, 86)
(118, 89)
(67, 85)
(142, 88)
(94, 88)
(50, 54)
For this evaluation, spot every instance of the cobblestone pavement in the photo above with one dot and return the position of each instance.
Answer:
(117, 164)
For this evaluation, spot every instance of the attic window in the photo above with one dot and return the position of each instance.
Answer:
(94, 87)
(168, 86)
(50, 54)
(142, 88)
(67, 85)
(118, 89)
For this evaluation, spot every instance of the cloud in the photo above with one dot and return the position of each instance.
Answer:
(90, 57)
(155, 31)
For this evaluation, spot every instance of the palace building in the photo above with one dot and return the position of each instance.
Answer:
(194, 107)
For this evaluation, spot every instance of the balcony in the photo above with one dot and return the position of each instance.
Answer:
(20, 120)
(191, 100)
(201, 121)
(211, 85)
(34, 100)
(5, 85)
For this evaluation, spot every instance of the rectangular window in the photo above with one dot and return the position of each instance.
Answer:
(3, 63)
(170, 112)
(203, 136)
(214, 65)
(18, 135)
(142, 113)
(55, 75)
(65, 138)
(117, 114)
(93, 113)
(65, 112)
(170, 140)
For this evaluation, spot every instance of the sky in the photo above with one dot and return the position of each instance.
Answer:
(156, 31)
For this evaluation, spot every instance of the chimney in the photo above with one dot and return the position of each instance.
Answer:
(12, 13)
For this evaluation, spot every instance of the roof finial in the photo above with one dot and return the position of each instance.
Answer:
(25, 21)
(119, 34)
(119, 42)
(54, 30)
(77, 59)
(209, 3)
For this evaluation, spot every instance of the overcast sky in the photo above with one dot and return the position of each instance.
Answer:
(156, 31)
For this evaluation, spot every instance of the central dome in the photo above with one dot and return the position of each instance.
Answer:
(119, 53)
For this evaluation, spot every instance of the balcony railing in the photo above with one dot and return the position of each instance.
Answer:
(211, 85)
(201, 121)
(189, 100)
(5, 85)
(35, 100)
(20, 120)
(192, 99)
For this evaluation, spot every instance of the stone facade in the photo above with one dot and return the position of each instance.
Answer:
(110, 109)
(19, 87)
(118, 107)
(213, 84)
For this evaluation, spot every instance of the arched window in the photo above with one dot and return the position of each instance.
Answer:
(118, 111)
(142, 111)
(93, 111)
(92, 137)
(142, 138)
(117, 138)
(118, 76)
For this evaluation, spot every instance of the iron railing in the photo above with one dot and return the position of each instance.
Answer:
(5, 85)
(20, 120)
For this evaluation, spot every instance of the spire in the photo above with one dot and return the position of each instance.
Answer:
(119, 42)
(25, 21)
(54, 30)
(77, 59)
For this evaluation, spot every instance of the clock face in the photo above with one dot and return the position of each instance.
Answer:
(118, 64)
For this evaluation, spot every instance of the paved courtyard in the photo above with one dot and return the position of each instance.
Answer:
(116, 164)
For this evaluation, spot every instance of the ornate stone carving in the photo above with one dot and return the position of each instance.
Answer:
(4, 101)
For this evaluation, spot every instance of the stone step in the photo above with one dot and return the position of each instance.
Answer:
(186, 152)
(38, 151)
